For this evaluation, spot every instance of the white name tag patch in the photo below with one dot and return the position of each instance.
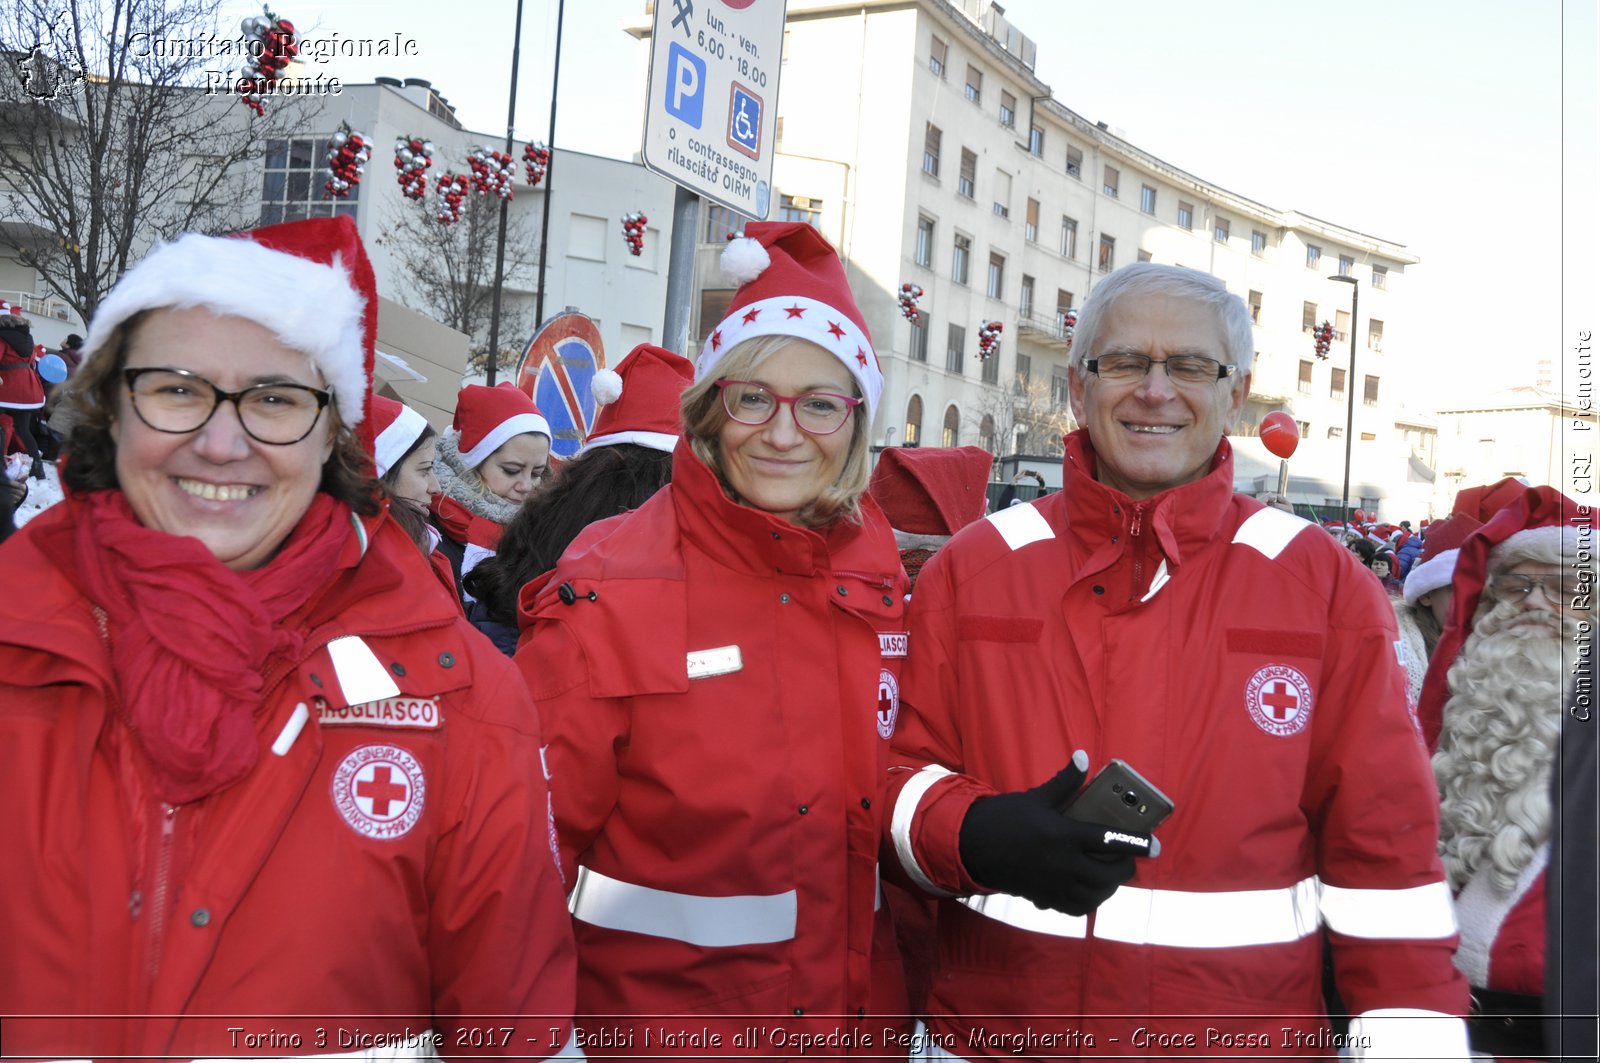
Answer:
(416, 713)
(893, 643)
(723, 660)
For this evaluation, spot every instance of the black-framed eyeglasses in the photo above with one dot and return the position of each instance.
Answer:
(177, 401)
(1192, 369)
(1515, 586)
(819, 413)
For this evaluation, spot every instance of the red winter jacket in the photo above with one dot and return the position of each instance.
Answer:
(1246, 665)
(383, 871)
(718, 687)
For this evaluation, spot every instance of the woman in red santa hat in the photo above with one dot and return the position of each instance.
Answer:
(496, 453)
(253, 761)
(405, 454)
(626, 458)
(718, 674)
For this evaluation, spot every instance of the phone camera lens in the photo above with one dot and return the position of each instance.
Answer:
(1130, 798)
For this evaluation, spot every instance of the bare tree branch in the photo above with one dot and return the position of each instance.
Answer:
(1024, 418)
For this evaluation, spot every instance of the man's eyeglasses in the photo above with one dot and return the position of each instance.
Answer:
(178, 401)
(820, 413)
(1514, 586)
(1183, 369)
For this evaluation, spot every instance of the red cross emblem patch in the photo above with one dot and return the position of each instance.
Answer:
(1279, 699)
(380, 791)
(888, 703)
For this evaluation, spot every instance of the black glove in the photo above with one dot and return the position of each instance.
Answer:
(1020, 843)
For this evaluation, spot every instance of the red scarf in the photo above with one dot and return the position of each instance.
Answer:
(191, 639)
(465, 526)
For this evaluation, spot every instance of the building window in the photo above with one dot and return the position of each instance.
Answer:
(1008, 110)
(1258, 242)
(974, 84)
(1002, 194)
(1336, 385)
(1255, 307)
(1109, 181)
(1030, 227)
(1025, 305)
(1336, 433)
(1370, 391)
(953, 352)
(1063, 304)
(919, 339)
(720, 221)
(986, 438)
(952, 427)
(1035, 140)
(1347, 265)
(937, 53)
(1074, 162)
(1144, 256)
(1060, 390)
(800, 208)
(1341, 325)
(930, 150)
(1024, 374)
(1147, 199)
(960, 259)
(997, 275)
(1219, 232)
(1369, 437)
(1313, 256)
(991, 369)
(1108, 254)
(1069, 237)
(925, 241)
(1305, 429)
(1185, 215)
(1305, 377)
(1380, 276)
(967, 183)
(1375, 334)
(1308, 316)
(913, 434)
(291, 186)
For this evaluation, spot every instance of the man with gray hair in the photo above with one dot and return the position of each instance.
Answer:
(1236, 657)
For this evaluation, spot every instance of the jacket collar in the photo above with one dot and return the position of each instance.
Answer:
(1182, 519)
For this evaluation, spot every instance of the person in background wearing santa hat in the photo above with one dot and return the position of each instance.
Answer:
(252, 759)
(718, 675)
(1424, 604)
(405, 453)
(626, 458)
(1501, 673)
(1383, 566)
(496, 453)
(1226, 650)
(21, 390)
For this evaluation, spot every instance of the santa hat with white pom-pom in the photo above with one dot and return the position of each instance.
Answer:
(793, 284)
(640, 400)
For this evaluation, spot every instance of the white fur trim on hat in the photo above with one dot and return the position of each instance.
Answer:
(310, 307)
(1551, 543)
(393, 442)
(802, 318)
(653, 440)
(497, 436)
(1428, 576)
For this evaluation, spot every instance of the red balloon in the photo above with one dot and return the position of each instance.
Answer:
(1279, 433)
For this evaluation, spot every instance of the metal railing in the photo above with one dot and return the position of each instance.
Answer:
(40, 305)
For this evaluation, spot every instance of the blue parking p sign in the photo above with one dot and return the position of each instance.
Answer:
(744, 121)
(686, 85)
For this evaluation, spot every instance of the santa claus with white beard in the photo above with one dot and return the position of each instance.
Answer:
(1515, 622)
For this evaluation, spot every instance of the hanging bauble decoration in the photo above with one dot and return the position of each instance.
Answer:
(633, 224)
(910, 302)
(412, 158)
(271, 46)
(536, 157)
(452, 192)
(989, 339)
(348, 152)
(492, 171)
(1069, 325)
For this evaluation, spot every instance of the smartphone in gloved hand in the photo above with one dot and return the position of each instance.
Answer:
(1120, 797)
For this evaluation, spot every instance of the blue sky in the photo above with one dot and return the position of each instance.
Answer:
(1439, 125)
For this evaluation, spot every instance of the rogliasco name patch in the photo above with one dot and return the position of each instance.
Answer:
(416, 713)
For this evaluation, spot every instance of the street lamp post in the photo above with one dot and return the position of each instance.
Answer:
(1350, 388)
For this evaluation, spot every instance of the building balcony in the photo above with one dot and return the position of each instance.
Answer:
(1046, 329)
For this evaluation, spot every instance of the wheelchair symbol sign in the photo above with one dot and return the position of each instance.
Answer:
(744, 121)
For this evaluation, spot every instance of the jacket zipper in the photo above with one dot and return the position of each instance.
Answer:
(158, 905)
(1138, 552)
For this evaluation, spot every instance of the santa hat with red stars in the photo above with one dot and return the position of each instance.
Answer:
(793, 284)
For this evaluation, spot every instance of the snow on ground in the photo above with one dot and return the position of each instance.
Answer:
(42, 494)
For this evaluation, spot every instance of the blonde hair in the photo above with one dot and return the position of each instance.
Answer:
(704, 416)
